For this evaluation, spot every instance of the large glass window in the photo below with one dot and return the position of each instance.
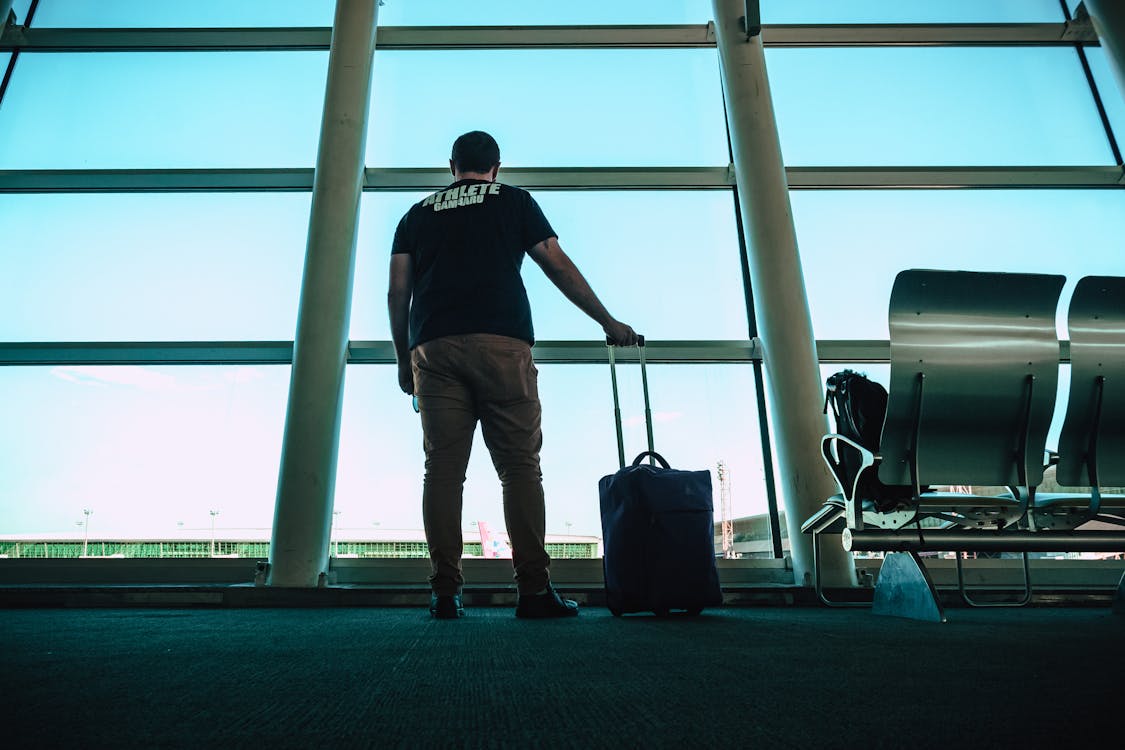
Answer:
(151, 267)
(666, 262)
(853, 244)
(151, 451)
(550, 108)
(163, 110)
(701, 416)
(989, 106)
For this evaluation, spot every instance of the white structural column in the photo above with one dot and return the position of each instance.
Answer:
(302, 520)
(1109, 22)
(784, 324)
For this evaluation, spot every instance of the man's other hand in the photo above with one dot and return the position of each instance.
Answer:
(406, 378)
(621, 334)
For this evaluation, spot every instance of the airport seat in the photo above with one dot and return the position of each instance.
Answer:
(1091, 451)
(974, 371)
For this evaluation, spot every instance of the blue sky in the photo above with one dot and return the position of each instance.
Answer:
(149, 448)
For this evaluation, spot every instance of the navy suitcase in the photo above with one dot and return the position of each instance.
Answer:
(658, 530)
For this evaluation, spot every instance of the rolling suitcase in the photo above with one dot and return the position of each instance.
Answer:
(658, 528)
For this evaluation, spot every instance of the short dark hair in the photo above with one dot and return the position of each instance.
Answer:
(475, 151)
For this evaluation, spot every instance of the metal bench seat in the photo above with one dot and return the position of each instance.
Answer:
(974, 369)
(974, 372)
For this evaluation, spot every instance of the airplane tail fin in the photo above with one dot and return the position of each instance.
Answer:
(490, 547)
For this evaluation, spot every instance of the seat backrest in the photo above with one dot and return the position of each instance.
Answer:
(976, 338)
(1096, 322)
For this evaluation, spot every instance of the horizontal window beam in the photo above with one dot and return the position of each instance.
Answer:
(382, 352)
(543, 37)
(561, 178)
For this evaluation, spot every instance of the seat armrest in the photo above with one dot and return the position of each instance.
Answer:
(829, 449)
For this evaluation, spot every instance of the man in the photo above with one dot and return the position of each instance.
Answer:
(461, 324)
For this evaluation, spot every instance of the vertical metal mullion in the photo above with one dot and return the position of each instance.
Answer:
(759, 380)
(759, 387)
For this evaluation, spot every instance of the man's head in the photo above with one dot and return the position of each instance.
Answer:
(475, 153)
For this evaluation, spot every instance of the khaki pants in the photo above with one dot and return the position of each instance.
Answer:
(460, 380)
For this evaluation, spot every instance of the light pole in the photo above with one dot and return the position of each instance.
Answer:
(213, 514)
(568, 525)
(86, 538)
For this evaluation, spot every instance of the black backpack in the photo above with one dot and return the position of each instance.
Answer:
(860, 406)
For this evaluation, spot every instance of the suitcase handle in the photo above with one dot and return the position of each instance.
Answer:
(651, 455)
(617, 402)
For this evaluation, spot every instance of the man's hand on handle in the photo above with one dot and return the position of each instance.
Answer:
(620, 334)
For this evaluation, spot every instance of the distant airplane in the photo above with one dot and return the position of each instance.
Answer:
(492, 547)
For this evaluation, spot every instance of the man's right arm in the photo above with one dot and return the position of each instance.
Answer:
(562, 272)
(398, 306)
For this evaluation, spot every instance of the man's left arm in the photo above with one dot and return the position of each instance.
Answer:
(398, 306)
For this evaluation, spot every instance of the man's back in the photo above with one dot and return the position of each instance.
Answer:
(467, 244)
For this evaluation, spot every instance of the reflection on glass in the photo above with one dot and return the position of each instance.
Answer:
(127, 110)
(665, 262)
(607, 107)
(1030, 231)
(151, 267)
(933, 106)
(702, 414)
(149, 450)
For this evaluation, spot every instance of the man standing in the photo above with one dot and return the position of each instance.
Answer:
(461, 324)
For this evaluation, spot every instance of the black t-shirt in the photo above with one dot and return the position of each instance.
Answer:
(467, 243)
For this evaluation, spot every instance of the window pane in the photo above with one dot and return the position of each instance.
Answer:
(165, 109)
(934, 107)
(201, 13)
(1110, 90)
(916, 11)
(556, 108)
(702, 414)
(144, 448)
(664, 262)
(520, 12)
(854, 243)
(151, 267)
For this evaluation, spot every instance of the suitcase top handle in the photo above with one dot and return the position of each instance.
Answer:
(653, 454)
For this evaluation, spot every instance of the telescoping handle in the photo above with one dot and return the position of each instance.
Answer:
(617, 401)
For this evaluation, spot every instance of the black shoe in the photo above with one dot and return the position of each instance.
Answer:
(547, 604)
(446, 606)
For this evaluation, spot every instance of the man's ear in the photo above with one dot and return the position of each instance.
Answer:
(495, 170)
(452, 169)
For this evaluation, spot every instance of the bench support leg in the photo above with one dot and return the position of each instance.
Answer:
(819, 585)
(904, 589)
(1119, 598)
(1024, 599)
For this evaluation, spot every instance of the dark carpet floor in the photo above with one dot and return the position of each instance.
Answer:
(732, 678)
